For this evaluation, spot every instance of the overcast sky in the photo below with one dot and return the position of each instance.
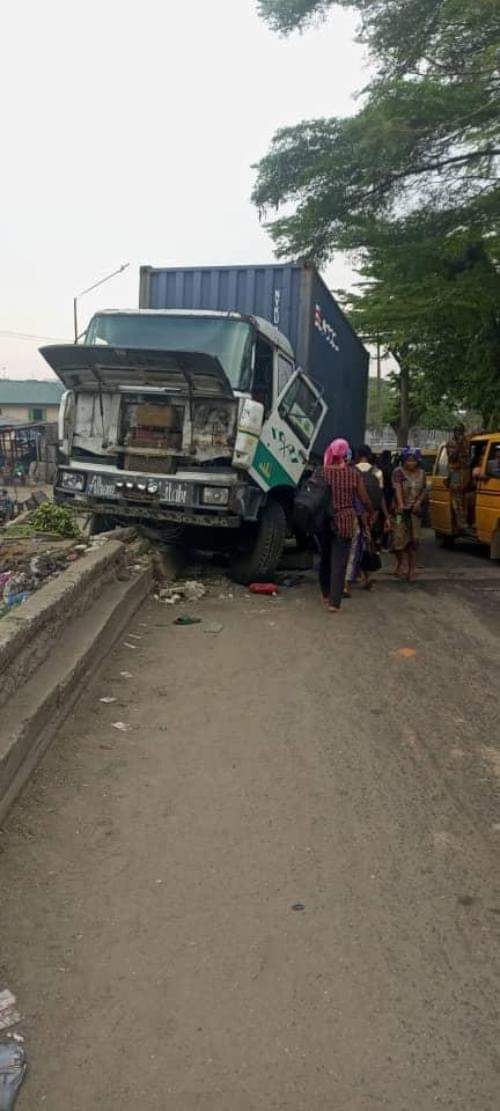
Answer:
(128, 135)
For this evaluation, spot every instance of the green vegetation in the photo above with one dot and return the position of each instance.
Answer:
(57, 519)
(409, 185)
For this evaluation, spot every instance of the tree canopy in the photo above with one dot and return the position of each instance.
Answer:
(409, 183)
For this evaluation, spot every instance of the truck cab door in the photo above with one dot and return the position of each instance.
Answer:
(440, 501)
(288, 434)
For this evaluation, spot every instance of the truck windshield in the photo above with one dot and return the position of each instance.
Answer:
(229, 340)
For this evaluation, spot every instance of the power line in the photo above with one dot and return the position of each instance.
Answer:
(28, 335)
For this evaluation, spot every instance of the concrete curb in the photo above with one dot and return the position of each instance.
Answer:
(51, 647)
(29, 632)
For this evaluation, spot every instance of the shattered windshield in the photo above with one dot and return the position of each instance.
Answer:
(229, 340)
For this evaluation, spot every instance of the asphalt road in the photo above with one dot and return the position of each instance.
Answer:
(278, 889)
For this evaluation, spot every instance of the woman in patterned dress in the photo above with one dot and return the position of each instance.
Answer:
(346, 484)
(409, 484)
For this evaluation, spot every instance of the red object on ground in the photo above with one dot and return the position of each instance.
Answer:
(263, 588)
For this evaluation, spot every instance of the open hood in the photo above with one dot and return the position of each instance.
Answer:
(108, 368)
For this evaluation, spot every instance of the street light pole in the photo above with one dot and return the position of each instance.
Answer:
(89, 290)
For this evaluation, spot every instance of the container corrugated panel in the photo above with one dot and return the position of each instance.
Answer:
(297, 301)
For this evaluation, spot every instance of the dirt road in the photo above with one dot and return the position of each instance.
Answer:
(279, 889)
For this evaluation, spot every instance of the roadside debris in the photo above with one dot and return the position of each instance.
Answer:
(404, 653)
(13, 1067)
(189, 591)
(121, 726)
(213, 627)
(9, 1016)
(126, 675)
(264, 588)
(108, 699)
(186, 620)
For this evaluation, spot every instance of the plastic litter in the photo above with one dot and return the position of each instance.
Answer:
(126, 675)
(189, 591)
(127, 645)
(13, 1067)
(108, 699)
(264, 588)
(213, 627)
(121, 726)
(404, 653)
(186, 620)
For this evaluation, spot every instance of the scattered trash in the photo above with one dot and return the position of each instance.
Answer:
(8, 1014)
(108, 699)
(121, 726)
(264, 588)
(127, 645)
(213, 627)
(186, 620)
(12, 1072)
(126, 675)
(189, 591)
(404, 653)
(135, 636)
(298, 906)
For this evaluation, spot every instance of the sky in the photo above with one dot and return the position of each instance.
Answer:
(128, 134)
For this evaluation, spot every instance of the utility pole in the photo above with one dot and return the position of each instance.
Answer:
(379, 385)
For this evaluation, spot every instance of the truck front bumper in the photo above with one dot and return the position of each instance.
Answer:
(181, 500)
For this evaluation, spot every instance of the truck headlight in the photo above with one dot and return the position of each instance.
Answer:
(215, 495)
(70, 480)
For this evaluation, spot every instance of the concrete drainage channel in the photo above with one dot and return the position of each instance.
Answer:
(51, 645)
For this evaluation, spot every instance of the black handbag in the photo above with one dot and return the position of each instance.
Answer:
(370, 561)
(313, 504)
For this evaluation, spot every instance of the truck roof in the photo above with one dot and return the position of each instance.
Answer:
(268, 330)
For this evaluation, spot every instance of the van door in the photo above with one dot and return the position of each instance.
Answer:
(440, 502)
(288, 434)
(488, 493)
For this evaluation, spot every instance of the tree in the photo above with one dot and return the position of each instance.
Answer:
(410, 183)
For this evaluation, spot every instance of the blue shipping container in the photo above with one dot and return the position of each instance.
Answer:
(295, 299)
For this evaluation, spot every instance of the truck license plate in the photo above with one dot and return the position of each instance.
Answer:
(175, 493)
(100, 488)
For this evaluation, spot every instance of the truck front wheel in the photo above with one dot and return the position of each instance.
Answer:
(265, 547)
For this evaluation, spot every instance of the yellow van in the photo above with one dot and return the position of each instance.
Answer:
(483, 499)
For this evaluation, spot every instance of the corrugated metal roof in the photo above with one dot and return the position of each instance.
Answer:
(29, 391)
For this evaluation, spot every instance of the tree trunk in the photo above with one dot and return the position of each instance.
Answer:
(404, 391)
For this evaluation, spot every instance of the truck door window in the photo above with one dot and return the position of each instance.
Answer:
(301, 410)
(285, 371)
(263, 375)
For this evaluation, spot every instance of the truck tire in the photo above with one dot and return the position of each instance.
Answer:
(100, 523)
(261, 561)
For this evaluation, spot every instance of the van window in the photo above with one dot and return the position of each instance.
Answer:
(285, 371)
(493, 461)
(442, 467)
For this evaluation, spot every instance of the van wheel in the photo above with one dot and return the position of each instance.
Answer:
(265, 553)
(443, 540)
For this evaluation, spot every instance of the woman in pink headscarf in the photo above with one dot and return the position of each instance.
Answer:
(346, 484)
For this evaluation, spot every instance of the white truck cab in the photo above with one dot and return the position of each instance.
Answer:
(198, 420)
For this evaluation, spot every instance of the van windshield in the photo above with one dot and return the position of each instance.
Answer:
(229, 340)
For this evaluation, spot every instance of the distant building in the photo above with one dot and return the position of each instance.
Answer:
(29, 399)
